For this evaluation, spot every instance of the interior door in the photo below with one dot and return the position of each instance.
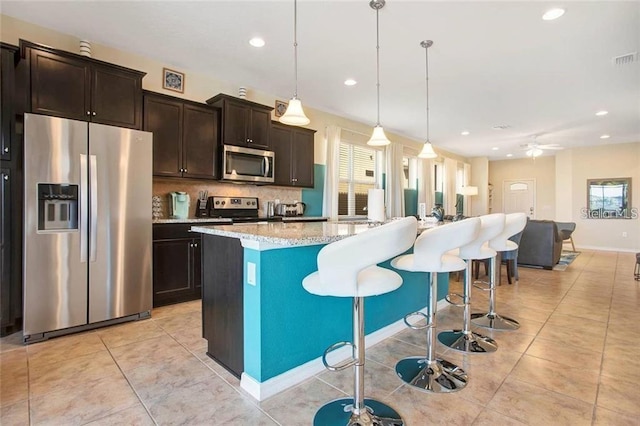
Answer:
(120, 233)
(519, 196)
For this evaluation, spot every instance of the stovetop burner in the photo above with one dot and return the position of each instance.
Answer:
(238, 209)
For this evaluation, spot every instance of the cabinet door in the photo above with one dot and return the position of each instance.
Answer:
(259, 130)
(60, 86)
(116, 97)
(281, 144)
(302, 158)
(236, 119)
(200, 142)
(196, 268)
(163, 117)
(172, 271)
(5, 248)
(7, 84)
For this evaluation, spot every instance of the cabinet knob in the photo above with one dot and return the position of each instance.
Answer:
(191, 245)
(185, 170)
(6, 149)
(195, 244)
(88, 112)
(5, 177)
(94, 113)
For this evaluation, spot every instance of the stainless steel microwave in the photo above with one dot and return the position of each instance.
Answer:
(247, 165)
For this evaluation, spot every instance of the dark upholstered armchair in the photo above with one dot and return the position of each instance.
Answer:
(540, 245)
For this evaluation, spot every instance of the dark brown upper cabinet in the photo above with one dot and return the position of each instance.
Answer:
(8, 55)
(185, 136)
(293, 146)
(71, 86)
(244, 123)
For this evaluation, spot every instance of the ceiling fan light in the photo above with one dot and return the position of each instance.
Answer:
(534, 152)
(427, 151)
(378, 138)
(294, 115)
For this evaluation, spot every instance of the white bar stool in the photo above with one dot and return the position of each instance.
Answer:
(514, 223)
(466, 340)
(348, 268)
(433, 374)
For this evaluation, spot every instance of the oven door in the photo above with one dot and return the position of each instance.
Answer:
(247, 165)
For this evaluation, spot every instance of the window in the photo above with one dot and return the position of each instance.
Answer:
(359, 172)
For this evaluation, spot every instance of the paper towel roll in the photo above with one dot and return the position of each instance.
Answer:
(375, 205)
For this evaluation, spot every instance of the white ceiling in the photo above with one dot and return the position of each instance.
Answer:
(492, 63)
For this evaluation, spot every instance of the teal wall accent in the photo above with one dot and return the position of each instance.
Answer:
(410, 202)
(285, 326)
(313, 197)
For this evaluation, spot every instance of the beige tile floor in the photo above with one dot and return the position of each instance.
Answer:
(571, 363)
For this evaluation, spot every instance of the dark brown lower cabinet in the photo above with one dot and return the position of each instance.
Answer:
(222, 301)
(177, 271)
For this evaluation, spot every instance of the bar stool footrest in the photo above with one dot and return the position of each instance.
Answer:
(340, 412)
(450, 296)
(341, 365)
(413, 326)
(482, 285)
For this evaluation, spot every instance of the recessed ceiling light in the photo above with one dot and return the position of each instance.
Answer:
(256, 42)
(465, 133)
(509, 155)
(495, 148)
(350, 82)
(605, 137)
(552, 14)
(601, 113)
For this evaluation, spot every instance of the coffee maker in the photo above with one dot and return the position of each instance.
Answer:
(179, 202)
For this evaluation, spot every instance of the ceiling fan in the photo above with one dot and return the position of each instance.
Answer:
(534, 149)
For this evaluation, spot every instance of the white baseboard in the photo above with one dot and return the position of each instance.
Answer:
(263, 390)
(597, 248)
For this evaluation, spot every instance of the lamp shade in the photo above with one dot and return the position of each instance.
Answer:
(294, 115)
(378, 138)
(427, 151)
(469, 190)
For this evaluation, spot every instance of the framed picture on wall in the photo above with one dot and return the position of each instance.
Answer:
(172, 80)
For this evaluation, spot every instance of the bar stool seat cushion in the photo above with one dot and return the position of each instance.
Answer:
(514, 223)
(372, 281)
(431, 247)
(348, 268)
(491, 225)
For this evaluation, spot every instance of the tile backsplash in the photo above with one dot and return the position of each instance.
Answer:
(163, 186)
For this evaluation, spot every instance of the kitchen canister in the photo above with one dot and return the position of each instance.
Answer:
(375, 205)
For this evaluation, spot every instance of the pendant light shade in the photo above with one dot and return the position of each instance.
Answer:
(294, 115)
(378, 138)
(427, 150)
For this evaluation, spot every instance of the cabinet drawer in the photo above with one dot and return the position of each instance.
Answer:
(170, 231)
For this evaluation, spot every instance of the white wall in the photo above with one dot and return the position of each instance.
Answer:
(607, 161)
(480, 178)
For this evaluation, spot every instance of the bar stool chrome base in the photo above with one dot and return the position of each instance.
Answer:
(340, 412)
(494, 321)
(467, 342)
(439, 376)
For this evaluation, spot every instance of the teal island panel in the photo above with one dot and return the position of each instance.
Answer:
(284, 326)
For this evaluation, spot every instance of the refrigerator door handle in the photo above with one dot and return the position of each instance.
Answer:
(93, 179)
(84, 207)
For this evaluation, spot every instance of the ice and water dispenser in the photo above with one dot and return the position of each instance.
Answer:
(57, 207)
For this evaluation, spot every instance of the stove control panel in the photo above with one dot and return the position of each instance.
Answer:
(234, 203)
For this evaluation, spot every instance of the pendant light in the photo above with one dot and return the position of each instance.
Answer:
(378, 138)
(294, 115)
(427, 149)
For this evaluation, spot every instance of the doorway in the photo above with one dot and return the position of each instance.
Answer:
(519, 196)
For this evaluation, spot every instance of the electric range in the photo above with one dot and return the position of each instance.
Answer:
(238, 209)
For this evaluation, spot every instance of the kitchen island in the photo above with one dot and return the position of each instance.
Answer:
(259, 321)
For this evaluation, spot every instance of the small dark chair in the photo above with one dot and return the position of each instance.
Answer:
(510, 258)
(565, 229)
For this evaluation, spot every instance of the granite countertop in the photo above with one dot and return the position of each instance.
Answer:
(193, 220)
(292, 233)
(286, 233)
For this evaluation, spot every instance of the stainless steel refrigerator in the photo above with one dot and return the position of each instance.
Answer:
(87, 229)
